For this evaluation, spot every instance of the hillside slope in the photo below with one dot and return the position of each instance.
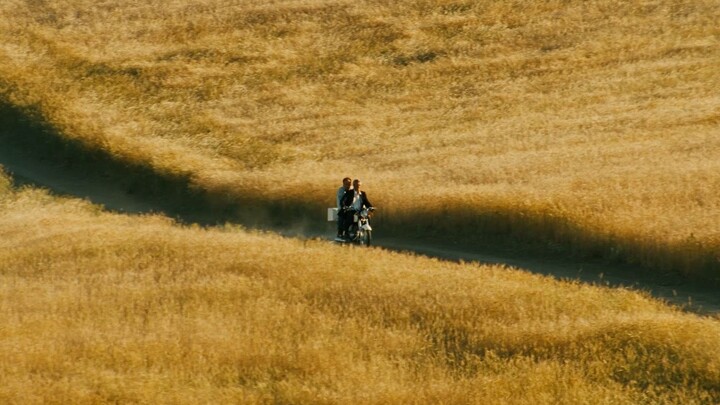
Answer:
(104, 308)
(592, 125)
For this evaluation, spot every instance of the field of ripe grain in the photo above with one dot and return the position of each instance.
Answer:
(589, 124)
(104, 308)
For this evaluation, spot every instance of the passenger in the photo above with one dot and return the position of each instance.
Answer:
(341, 226)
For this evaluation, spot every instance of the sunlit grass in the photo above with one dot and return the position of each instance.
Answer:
(591, 123)
(100, 308)
(600, 113)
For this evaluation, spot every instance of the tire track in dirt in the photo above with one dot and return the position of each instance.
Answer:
(34, 156)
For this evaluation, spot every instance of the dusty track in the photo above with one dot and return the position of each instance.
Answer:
(39, 166)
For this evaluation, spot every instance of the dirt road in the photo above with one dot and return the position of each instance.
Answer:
(39, 169)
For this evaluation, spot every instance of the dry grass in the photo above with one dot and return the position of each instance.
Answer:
(101, 308)
(594, 123)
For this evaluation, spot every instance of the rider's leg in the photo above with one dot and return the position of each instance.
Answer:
(340, 225)
(349, 221)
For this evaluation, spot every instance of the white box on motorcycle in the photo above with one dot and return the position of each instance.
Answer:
(332, 214)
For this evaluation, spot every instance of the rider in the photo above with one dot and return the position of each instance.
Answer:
(341, 226)
(354, 201)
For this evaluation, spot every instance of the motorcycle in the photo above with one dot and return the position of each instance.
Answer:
(360, 231)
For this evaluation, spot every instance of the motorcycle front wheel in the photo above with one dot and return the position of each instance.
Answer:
(368, 238)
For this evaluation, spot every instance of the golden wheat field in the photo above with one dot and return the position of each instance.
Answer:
(593, 124)
(105, 308)
(590, 124)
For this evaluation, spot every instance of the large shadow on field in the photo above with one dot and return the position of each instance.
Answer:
(36, 154)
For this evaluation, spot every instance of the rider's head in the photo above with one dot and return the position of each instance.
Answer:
(346, 183)
(357, 184)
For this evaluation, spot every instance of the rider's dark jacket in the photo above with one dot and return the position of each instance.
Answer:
(347, 199)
